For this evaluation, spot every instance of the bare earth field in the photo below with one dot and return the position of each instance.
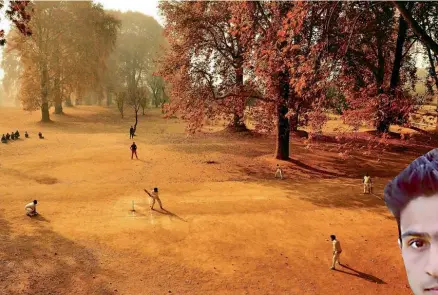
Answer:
(231, 228)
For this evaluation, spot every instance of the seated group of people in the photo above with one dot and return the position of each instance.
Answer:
(16, 135)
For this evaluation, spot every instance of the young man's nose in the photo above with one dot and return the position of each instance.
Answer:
(432, 264)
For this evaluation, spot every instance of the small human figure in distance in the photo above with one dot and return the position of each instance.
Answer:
(131, 132)
(367, 184)
(26, 134)
(134, 151)
(40, 135)
(155, 197)
(17, 134)
(337, 250)
(31, 208)
(8, 136)
(279, 172)
(4, 139)
(12, 135)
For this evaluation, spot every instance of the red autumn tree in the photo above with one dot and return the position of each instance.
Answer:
(286, 40)
(204, 63)
(17, 13)
(370, 47)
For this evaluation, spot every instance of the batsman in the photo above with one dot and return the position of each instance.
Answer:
(155, 197)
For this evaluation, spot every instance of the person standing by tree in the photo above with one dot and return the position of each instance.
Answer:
(131, 132)
(134, 150)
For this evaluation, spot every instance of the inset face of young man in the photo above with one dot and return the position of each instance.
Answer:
(419, 243)
(412, 197)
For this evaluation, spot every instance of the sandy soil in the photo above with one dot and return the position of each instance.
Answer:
(230, 227)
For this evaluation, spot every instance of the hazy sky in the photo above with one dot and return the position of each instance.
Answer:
(149, 7)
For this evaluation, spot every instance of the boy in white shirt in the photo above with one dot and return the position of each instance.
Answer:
(279, 172)
(367, 184)
(154, 196)
(31, 208)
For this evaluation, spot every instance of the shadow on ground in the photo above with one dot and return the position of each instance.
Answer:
(356, 273)
(45, 262)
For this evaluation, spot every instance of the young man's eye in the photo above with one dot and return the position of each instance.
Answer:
(417, 244)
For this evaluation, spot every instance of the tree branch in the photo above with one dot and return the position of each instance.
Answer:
(427, 40)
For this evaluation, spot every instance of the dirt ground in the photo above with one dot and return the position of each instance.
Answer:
(230, 228)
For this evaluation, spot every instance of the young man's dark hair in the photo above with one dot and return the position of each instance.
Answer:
(419, 179)
(156, 189)
(412, 197)
(35, 202)
(333, 237)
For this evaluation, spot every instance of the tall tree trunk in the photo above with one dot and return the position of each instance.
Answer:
(435, 77)
(58, 97)
(45, 116)
(283, 127)
(68, 102)
(432, 67)
(385, 122)
(238, 124)
(136, 120)
(156, 100)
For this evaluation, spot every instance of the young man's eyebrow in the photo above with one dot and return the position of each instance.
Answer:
(417, 234)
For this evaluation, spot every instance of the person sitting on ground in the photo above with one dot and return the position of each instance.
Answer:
(12, 135)
(17, 134)
(367, 184)
(40, 135)
(8, 136)
(4, 139)
(26, 134)
(155, 197)
(31, 208)
(279, 172)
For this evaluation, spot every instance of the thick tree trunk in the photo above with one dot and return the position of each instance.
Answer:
(384, 123)
(283, 134)
(68, 102)
(283, 127)
(58, 97)
(401, 38)
(45, 116)
(238, 123)
(58, 108)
